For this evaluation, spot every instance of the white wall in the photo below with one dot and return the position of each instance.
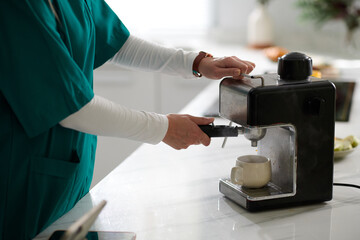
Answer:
(144, 17)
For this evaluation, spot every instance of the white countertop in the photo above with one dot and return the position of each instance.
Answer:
(161, 193)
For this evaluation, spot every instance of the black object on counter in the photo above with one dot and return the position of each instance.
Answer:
(298, 113)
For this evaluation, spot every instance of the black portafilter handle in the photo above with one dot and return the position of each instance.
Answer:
(219, 130)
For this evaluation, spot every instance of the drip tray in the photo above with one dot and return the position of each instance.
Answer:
(270, 191)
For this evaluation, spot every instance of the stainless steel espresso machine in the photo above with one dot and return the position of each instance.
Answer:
(290, 118)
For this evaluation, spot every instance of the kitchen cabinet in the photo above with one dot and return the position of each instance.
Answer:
(129, 88)
(148, 91)
(176, 92)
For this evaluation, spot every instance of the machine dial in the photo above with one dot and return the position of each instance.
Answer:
(294, 66)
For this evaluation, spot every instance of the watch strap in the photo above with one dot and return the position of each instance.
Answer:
(197, 61)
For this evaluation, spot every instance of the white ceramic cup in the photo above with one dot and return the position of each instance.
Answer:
(251, 171)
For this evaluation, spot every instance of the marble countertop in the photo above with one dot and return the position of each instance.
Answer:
(161, 193)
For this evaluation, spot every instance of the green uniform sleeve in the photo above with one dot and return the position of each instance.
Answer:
(38, 77)
(111, 33)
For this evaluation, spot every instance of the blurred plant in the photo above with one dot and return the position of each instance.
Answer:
(325, 10)
(263, 2)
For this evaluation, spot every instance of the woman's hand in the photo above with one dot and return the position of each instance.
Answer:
(216, 68)
(184, 131)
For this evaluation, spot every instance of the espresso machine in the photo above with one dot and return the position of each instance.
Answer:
(290, 118)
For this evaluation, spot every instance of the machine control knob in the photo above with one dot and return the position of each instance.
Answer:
(294, 66)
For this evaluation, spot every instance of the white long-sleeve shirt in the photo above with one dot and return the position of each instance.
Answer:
(105, 118)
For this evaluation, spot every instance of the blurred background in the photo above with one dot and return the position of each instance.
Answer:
(325, 29)
(226, 21)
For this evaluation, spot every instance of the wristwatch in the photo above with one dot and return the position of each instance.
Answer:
(197, 61)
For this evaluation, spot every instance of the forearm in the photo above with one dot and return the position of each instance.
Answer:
(105, 118)
(144, 55)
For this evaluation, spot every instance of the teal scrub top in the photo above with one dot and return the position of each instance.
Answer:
(46, 74)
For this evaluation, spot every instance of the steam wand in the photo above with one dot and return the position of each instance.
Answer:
(225, 139)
